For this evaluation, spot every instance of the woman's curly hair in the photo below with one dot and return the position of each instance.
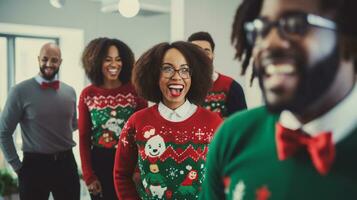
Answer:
(146, 72)
(95, 53)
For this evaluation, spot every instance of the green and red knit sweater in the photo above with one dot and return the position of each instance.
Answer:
(170, 155)
(243, 164)
(225, 97)
(102, 115)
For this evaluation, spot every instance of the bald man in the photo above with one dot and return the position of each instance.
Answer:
(45, 108)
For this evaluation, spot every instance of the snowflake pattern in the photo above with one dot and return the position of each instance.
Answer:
(172, 172)
(124, 141)
(199, 134)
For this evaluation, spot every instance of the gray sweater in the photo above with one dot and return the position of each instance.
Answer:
(47, 118)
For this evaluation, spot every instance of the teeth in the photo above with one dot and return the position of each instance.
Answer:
(176, 86)
(272, 69)
(49, 70)
(113, 70)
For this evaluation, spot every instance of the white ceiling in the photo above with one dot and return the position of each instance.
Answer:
(147, 7)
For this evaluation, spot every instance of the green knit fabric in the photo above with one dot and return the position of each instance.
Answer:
(242, 164)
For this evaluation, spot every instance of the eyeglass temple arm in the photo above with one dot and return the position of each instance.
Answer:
(321, 22)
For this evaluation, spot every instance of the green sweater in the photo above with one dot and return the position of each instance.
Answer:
(242, 164)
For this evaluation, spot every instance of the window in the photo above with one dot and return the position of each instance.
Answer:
(18, 62)
(19, 48)
(26, 51)
(3, 72)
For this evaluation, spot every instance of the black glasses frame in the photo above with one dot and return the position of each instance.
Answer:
(182, 72)
(288, 25)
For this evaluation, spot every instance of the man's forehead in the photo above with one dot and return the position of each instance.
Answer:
(50, 55)
(202, 43)
(51, 52)
(275, 8)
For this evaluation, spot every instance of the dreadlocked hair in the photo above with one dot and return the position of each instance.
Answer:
(345, 19)
(246, 12)
(346, 16)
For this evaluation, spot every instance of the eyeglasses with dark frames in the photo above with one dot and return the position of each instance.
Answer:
(169, 72)
(289, 26)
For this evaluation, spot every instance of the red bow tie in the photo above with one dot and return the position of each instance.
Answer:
(320, 147)
(53, 85)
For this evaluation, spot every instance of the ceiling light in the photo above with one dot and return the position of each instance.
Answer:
(57, 3)
(128, 8)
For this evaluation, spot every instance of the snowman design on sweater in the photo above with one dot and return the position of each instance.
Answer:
(165, 181)
(155, 146)
(110, 131)
(154, 182)
(108, 114)
(170, 156)
(114, 124)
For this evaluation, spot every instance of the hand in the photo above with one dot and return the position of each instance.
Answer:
(95, 187)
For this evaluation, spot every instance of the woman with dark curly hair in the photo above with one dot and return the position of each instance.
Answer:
(104, 107)
(169, 141)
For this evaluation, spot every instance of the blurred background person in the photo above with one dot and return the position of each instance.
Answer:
(304, 55)
(226, 96)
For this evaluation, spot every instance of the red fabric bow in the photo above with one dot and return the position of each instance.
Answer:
(320, 147)
(53, 85)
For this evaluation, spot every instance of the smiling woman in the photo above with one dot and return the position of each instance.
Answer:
(148, 70)
(177, 76)
(104, 107)
(174, 86)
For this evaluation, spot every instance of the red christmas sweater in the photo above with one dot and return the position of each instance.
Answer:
(102, 115)
(225, 97)
(170, 155)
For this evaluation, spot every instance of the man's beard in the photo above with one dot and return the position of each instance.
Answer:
(314, 81)
(48, 77)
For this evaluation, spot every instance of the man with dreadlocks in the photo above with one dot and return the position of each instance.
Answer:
(302, 143)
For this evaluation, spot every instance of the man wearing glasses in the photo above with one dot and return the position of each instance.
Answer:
(301, 144)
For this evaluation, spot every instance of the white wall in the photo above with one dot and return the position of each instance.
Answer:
(140, 33)
(216, 17)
